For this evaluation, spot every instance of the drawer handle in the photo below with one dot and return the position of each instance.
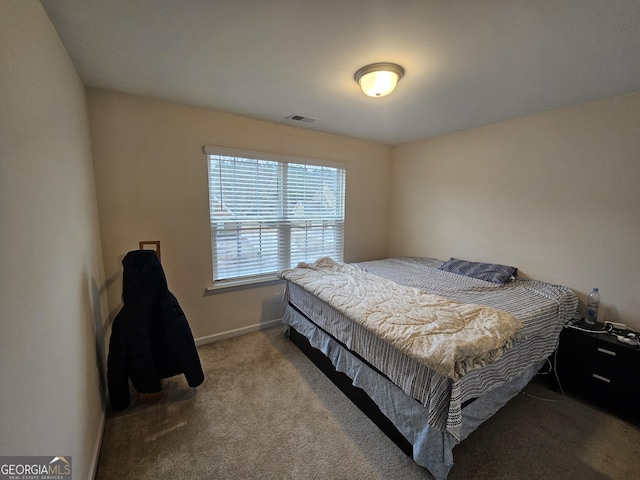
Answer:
(608, 352)
(604, 379)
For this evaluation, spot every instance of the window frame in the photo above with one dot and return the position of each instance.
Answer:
(243, 281)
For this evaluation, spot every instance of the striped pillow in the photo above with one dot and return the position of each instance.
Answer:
(490, 272)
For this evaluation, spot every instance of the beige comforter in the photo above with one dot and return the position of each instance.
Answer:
(448, 337)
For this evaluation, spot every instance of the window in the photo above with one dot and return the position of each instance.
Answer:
(269, 212)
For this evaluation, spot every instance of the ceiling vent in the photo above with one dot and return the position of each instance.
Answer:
(301, 118)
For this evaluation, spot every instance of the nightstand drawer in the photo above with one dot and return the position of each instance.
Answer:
(599, 379)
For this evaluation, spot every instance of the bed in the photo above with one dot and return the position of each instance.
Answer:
(347, 318)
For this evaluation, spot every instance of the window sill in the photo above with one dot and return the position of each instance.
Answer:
(240, 283)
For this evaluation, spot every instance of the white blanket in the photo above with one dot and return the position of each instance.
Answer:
(450, 338)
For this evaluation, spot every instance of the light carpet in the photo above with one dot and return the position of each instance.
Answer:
(266, 412)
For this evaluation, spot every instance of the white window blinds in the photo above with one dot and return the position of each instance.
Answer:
(268, 214)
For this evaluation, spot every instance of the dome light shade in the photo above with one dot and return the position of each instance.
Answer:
(379, 79)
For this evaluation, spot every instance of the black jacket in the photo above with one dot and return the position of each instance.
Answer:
(150, 336)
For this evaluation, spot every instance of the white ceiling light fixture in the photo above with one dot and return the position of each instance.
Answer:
(379, 79)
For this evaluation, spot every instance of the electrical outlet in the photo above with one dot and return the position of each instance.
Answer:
(277, 297)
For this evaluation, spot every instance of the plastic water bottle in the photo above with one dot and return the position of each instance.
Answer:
(593, 304)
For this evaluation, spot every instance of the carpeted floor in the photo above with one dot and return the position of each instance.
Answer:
(265, 411)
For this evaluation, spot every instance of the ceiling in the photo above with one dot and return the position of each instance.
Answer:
(468, 62)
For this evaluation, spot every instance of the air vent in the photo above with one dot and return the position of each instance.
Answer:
(301, 118)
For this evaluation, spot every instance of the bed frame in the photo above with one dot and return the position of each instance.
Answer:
(358, 396)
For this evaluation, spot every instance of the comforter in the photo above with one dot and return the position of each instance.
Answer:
(450, 338)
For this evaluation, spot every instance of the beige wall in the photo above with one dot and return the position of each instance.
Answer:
(151, 178)
(50, 259)
(556, 194)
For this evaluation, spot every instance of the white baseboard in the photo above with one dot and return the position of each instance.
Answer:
(238, 331)
(93, 467)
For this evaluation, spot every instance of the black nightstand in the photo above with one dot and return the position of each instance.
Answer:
(599, 368)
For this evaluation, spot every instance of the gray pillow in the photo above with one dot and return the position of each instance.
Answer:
(490, 272)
